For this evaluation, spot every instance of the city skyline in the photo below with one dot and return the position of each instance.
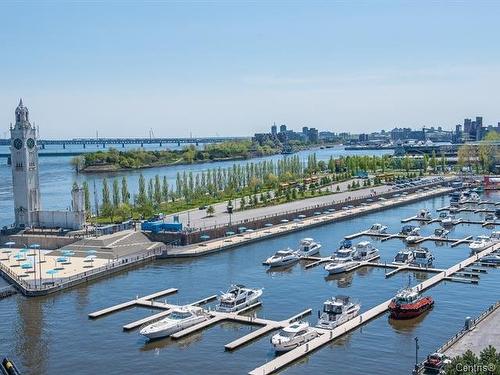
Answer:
(219, 68)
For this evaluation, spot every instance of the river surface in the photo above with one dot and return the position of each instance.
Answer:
(53, 335)
(57, 175)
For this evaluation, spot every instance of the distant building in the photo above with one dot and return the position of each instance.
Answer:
(274, 130)
(283, 128)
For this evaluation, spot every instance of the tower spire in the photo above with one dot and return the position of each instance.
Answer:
(20, 102)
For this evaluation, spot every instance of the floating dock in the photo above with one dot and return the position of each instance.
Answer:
(293, 355)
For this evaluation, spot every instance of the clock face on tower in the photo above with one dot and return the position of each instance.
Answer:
(30, 143)
(18, 144)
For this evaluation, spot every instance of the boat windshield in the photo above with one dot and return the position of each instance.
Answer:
(332, 308)
(401, 257)
(285, 333)
(179, 315)
(420, 254)
(343, 254)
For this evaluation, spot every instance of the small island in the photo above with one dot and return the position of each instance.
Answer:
(113, 160)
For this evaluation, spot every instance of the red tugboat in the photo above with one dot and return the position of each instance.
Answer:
(409, 304)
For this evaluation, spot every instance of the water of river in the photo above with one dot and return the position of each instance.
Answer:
(53, 335)
(57, 175)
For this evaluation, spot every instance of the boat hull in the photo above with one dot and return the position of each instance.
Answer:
(411, 310)
(287, 345)
(170, 329)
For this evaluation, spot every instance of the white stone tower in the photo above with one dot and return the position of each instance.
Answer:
(24, 161)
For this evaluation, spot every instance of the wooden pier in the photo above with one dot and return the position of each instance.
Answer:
(293, 355)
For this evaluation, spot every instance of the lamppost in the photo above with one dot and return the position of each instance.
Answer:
(416, 353)
(229, 210)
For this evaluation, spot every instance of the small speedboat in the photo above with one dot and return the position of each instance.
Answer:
(282, 258)
(294, 335)
(424, 214)
(342, 261)
(308, 247)
(422, 257)
(405, 256)
(442, 215)
(491, 259)
(180, 318)
(237, 297)
(489, 217)
(435, 363)
(441, 233)
(337, 311)
(378, 229)
(495, 236)
(480, 243)
(365, 251)
(406, 230)
(408, 304)
(413, 236)
(450, 220)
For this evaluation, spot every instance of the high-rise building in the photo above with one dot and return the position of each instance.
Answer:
(24, 161)
(274, 130)
(283, 128)
(305, 130)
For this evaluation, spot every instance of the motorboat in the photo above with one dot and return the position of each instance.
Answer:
(282, 258)
(491, 259)
(450, 220)
(294, 335)
(404, 256)
(342, 261)
(365, 251)
(180, 318)
(424, 214)
(441, 233)
(345, 244)
(408, 304)
(422, 257)
(489, 217)
(442, 215)
(237, 297)
(435, 363)
(454, 198)
(495, 236)
(336, 311)
(413, 236)
(480, 243)
(308, 247)
(378, 229)
(406, 230)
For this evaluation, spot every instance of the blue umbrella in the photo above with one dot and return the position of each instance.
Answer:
(35, 246)
(62, 259)
(317, 213)
(268, 225)
(19, 257)
(67, 253)
(331, 210)
(52, 273)
(229, 233)
(204, 237)
(302, 216)
(26, 266)
(284, 221)
(249, 230)
(23, 250)
(90, 258)
(91, 251)
(242, 229)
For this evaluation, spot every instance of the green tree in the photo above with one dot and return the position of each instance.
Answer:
(210, 211)
(157, 191)
(150, 191)
(86, 197)
(106, 201)
(116, 193)
(142, 198)
(164, 189)
(125, 193)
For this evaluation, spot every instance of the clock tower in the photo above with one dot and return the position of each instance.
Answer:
(24, 162)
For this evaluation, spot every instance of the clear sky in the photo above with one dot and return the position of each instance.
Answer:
(233, 68)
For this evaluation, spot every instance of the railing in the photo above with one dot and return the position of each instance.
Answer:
(62, 282)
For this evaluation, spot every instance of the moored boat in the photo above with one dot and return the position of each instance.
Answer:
(422, 257)
(308, 247)
(342, 261)
(424, 214)
(491, 259)
(408, 304)
(413, 236)
(282, 258)
(237, 297)
(337, 311)
(480, 243)
(180, 318)
(365, 251)
(441, 233)
(404, 256)
(377, 229)
(294, 335)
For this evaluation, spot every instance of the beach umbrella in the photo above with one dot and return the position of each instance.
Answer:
(91, 252)
(317, 213)
(204, 237)
(35, 246)
(284, 221)
(52, 273)
(9, 244)
(296, 219)
(229, 233)
(19, 257)
(26, 266)
(90, 258)
(23, 250)
(62, 259)
(302, 216)
(249, 230)
(242, 229)
(331, 210)
(268, 225)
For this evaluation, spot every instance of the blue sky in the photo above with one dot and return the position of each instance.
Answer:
(207, 68)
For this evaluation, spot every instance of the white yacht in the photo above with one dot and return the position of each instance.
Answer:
(337, 311)
(404, 257)
(282, 258)
(378, 229)
(414, 235)
(495, 236)
(480, 243)
(422, 257)
(491, 259)
(424, 214)
(441, 233)
(237, 297)
(180, 318)
(365, 251)
(450, 220)
(294, 335)
(308, 247)
(342, 261)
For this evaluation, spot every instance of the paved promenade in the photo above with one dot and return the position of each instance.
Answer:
(260, 234)
(486, 332)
